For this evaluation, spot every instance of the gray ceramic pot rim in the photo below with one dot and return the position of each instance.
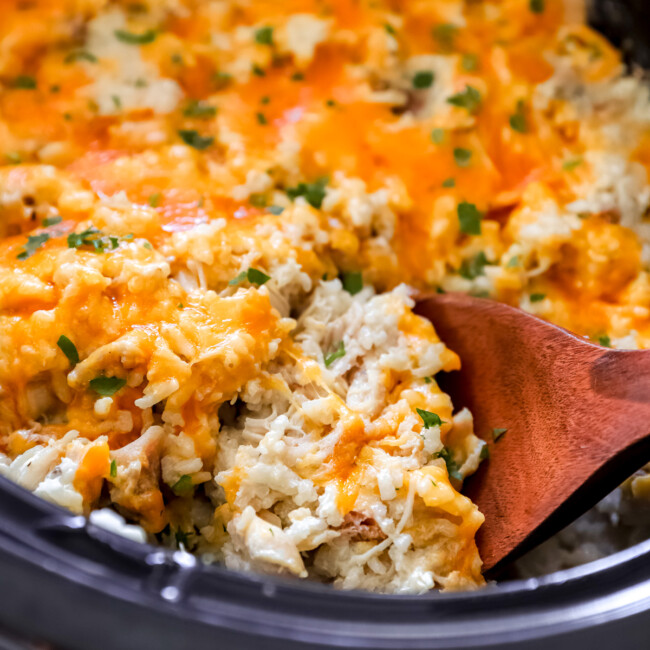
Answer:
(164, 591)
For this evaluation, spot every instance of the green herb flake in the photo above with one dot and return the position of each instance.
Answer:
(314, 193)
(537, 6)
(183, 486)
(194, 139)
(258, 71)
(34, 242)
(469, 218)
(135, 39)
(107, 386)
(254, 276)
(452, 465)
(390, 29)
(469, 62)
(497, 433)
(80, 55)
(469, 99)
(51, 221)
(117, 102)
(200, 110)
(113, 470)
(605, 341)
(423, 79)
(154, 199)
(147, 245)
(275, 209)
(264, 35)
(68, 348)
(352, 282)
(433, 483)
(429, 419)
(518, 121)
(13, 158)
(337, 354)
(445, 35)
(437, 136)
(570, 165)
(257, 200)
(297, 76)
(428, 380)
(180, 305)
(513, 262)
(265, 100)
(485, 452)
(537, 297)
(261, 119)
(24, 82)
(221, 79)
(177, 59)
(462, 156)
(472, 268)
(449, 182)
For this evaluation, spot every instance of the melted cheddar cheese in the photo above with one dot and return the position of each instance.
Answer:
(210, 215)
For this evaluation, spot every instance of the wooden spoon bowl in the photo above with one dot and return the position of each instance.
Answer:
(577, 417)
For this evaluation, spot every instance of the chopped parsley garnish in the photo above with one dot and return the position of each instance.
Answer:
(93, 237)
(257, 200)
(497, 433)
(183, 486)
(470, 99)
(147, 245)
(423, 79)
(449, 182)
(265, 100)
(518, 120)
(34, 242)
(462, 156)
(154, 200)
(113, 470)
(429, 419)
(68, 348)
(605, 341)
(254, 276)
(135, 39)
(352, 282)
(314, 193)
(337, 354)
(51, 221)
(513, 262)
(221, 79)
(485, 452)
(537, 6)
(194, 139)
(445, 35)
(261, 119)
(469, 62)
(24, 82)
(537, 297)
(452, 465)
(275, 209)
(437, 136)
(80, 55)
(390, 29)
(570, 165)
(13, 158)
(258, 71)
(297, 76)
(199, 109)
(469, 218)
(474, 267)
(428, 380)
(117, 102)
(264, 35)
(107, 386)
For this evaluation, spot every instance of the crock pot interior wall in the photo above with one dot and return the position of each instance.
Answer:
(76, 586)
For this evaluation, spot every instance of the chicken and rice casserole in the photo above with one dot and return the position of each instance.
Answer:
(215, 216)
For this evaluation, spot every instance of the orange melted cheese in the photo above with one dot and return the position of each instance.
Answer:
(184, 138)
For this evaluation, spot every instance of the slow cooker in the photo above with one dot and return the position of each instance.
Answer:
(66, 583)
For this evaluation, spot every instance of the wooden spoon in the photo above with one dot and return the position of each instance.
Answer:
(577, 417)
